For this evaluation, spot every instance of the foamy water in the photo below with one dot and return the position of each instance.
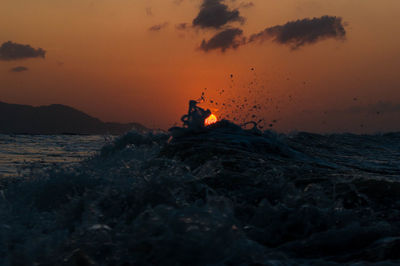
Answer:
(19, 152)
(215, 196)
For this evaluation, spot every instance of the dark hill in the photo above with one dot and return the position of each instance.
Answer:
(55, 119)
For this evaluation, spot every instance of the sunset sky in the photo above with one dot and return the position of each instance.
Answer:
(142, 60)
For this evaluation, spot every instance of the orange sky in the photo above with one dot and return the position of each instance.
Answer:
(102, 59)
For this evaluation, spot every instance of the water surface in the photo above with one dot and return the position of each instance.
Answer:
(18, 152)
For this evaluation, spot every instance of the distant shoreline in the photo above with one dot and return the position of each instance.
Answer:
(56, 119)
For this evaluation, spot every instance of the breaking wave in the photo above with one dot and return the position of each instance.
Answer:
(220, 195)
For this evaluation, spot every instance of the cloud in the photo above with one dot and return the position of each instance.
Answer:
(246, 5)
(215, 14)
(294, 33)
(19, 69)
(182, 26)
(14, 51)
(158, 27)
(229, 38)
(301, 32)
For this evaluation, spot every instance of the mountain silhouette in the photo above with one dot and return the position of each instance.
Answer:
(55, 119)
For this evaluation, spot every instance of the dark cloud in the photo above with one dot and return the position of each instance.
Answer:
(158, 27)
(229, 38)
(301, 32)
(14, 51)
(19, 69)
(215, 14)
(295, 33)
(182, 26)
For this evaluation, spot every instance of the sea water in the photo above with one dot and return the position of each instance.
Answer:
(216, 196)
(20, 152)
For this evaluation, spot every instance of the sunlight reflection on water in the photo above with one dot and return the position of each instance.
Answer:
(19, 151)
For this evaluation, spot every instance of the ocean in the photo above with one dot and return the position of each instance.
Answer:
(220, 195)
(18, 153)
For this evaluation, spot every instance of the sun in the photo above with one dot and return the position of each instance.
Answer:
(212, 119)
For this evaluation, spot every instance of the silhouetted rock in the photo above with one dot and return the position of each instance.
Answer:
(55, 119)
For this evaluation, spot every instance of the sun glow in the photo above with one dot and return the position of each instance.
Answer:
(212, 119)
